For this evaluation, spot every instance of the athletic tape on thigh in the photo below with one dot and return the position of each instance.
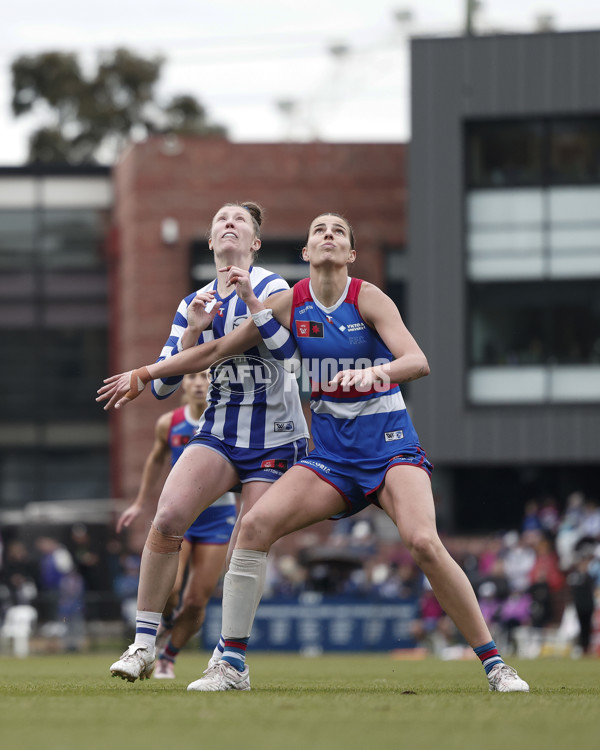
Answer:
(163, 544)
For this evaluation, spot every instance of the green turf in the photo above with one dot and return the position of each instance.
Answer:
(369, 702)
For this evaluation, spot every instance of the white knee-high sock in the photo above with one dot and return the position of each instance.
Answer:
(242, 590)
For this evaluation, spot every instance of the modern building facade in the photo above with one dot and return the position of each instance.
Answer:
(54, 441)
(504, 267)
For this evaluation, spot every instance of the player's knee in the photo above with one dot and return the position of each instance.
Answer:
(163, 543)
(168, 521)
(254, 526)
(424, 546)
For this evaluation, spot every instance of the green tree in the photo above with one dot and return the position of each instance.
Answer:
(94, 115)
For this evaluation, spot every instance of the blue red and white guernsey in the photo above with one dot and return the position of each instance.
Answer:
(358, 434)
(244, 415)
(330, 339)
(215, 524)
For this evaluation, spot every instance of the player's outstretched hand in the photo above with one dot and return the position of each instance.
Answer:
(128, 516)
(122, 388)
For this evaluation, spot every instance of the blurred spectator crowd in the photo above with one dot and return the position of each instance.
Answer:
(544, 576)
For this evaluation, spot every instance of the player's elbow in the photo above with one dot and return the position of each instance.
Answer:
(421, 367)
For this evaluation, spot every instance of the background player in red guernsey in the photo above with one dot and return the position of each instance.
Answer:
(205, 543)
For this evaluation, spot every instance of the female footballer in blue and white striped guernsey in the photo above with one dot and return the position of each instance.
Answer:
(252, 431)
(265, 419)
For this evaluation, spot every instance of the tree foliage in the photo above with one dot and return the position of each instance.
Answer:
(94, 115)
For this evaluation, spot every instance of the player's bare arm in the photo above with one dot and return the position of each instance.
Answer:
(122, 388)
(380, 313)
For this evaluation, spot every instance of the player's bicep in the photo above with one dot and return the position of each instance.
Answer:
(379, 311)
(281, 306)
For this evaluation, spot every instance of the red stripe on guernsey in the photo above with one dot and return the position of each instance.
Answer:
(301, 294)
(324, 389)
(487, 654)
(177, 417)
(353, 291)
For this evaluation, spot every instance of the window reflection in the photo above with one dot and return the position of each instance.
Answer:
(534, 324)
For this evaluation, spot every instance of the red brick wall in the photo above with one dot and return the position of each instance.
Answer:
(294, 182)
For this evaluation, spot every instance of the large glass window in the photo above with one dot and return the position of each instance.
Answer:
(532, 245)
(72, 238)
(535, 323)
(33, 475)
(17, 239)
(505, 153)
(519, 153)
(534, 342)
(574, 151)
(53, 335)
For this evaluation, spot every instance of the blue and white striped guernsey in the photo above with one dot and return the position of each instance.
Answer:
(245, 417)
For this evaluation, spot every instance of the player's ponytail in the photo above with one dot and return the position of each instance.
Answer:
(257, 213)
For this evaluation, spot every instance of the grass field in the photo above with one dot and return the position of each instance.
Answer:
(369, 702)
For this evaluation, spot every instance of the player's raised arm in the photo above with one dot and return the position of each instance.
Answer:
(271, 318)
(119, 389)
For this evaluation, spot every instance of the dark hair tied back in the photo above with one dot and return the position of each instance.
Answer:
(256, 212)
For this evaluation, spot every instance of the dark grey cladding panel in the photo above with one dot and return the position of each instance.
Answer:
(508, 75)
(452, 81)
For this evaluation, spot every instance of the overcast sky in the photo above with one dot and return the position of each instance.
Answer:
(243, 59)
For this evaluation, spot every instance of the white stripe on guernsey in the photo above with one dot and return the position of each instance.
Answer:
(351, 409)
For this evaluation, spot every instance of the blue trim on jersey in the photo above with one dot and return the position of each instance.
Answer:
(257, 421)
(240, 308)
(262, 284)
(269, 329)
(179, 320)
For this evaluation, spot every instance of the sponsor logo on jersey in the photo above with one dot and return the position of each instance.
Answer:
(329, 318)
(283, 426)
(395, 435)
(239, 320)
(280, 464)
(304, 309)
(309, 329)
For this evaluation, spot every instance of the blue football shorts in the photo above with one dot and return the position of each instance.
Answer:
(358, 481)
(256, 465)
(213, 526)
